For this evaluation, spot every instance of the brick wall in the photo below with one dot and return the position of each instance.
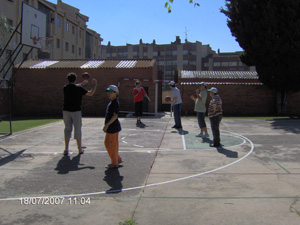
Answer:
(240, 99)
(39, 92)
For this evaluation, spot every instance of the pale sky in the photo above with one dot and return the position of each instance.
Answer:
(128, 21)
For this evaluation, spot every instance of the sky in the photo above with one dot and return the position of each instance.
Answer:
(128, 21)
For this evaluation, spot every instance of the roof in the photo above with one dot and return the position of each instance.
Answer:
(251, 75)
(87, 64)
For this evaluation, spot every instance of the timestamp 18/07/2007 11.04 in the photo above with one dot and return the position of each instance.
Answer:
(55, 201)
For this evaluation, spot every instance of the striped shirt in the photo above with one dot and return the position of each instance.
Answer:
(217, 103)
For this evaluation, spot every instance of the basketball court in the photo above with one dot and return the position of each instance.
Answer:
(168, 176)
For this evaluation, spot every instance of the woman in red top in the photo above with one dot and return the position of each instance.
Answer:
(138, 93)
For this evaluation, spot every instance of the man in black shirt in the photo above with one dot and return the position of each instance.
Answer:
(72, 110)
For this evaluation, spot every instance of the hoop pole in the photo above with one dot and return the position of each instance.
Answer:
(10, 57)
(12, 62)
(10, 38)
(10, 105)
(22, 62)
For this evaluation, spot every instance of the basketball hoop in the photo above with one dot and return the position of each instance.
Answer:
(45, 43)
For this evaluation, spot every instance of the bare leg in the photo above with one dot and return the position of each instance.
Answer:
(67, 141)
(79, 145)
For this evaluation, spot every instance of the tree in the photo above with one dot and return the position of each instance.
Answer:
(169, 2)
(269, 32)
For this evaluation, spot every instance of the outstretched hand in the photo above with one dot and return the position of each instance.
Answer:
(94, 81)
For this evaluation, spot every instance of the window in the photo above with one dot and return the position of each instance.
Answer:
(206, 64)
(73, 30)
(232, 63)
(67, 46)
(58, 22)
(217, 64)
(122, 54)
(224, 64)
(168, 53)
(67, 26)
(73, 48)
(57, 43)
(79, 51)
(185, 52)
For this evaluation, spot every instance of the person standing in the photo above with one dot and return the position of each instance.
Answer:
(200, 109)
(138, 93)
(72, 110)
(176, 101)
(112, 127)
(215, 114)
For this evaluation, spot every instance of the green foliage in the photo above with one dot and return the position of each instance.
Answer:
(129, 222)
(169, 2)
(269, 32)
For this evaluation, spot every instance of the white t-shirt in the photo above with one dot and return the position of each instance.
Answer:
(176, 93)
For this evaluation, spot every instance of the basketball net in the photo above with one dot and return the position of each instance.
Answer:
(45, 43)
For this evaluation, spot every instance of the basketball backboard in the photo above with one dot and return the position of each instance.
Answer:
(33, 26)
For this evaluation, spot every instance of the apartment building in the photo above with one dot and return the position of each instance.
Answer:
(72, 39)
(177, 56)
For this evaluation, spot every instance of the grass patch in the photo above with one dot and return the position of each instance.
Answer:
(20, 125)
(129, 222)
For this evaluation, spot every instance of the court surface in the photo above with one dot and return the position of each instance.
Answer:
(168, 176)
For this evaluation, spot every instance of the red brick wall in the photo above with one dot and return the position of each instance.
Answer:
(39, 92)
(240, 99)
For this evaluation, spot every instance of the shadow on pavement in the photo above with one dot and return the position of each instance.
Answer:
(228, 153)
(65, 164)
(114, 180)
(290, 125)
(11, 157)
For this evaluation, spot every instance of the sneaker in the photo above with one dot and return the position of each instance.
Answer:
(205, 135)
(199, 135)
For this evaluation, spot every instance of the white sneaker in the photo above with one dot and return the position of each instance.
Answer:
(199, 135)
(205, 135)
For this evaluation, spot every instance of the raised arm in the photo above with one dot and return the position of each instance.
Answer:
(92, 91)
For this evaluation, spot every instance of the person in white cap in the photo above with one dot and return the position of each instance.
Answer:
(215, 114)
(200, 108)
(176, 101)
(112, 127)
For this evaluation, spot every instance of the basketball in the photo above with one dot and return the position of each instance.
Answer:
(167, 99)
(85, 76)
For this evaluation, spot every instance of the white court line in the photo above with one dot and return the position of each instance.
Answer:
(149, 185)
(183, 142)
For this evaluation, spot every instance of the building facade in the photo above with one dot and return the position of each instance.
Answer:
(64, 23)
(177, 56)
